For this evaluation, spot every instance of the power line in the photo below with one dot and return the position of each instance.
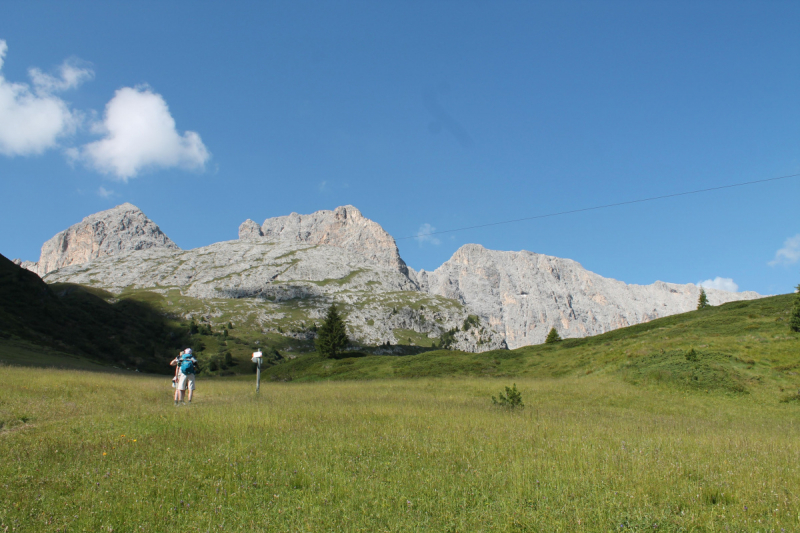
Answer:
(583, 209)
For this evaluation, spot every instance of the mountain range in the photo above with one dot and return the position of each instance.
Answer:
(282, 274)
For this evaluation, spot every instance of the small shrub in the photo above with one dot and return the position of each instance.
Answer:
(794, 319)
(702, 300)
(512, 399)
(691, 355)
(793, 397)
(714, 496)
(470, 321)
(552, 337)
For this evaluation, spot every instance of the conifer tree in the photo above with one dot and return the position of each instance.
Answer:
(332, 336)
(552, 337)
(702, 301)
(794, 319)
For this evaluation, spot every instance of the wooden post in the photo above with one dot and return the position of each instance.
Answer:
(258, 375)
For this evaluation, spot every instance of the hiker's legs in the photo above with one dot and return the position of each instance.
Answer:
(179, 390)
(190, 387)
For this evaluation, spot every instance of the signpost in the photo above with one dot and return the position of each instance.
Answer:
(257, 359)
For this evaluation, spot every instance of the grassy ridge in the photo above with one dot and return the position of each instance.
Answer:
(737, 347)
(84, 322)
(87, 451)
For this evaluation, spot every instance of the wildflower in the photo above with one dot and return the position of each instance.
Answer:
(104, 453)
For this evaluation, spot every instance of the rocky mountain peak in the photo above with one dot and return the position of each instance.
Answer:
(344, 227)
(524, 294)
(123, 228)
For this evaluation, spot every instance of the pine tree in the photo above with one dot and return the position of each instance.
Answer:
(332, 336)
(794, 319)
(702, 301)
(552, 337)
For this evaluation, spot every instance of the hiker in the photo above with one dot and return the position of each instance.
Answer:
(185, 365)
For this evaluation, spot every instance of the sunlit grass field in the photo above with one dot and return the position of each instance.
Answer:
(82, 451)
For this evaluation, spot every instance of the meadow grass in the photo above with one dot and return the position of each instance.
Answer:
(83, 451)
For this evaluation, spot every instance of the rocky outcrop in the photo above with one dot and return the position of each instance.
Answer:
(287, 284)
(250, 230)
(523, 294)
(106, 233)
(295, 266)
(239, 269)
(344, 227)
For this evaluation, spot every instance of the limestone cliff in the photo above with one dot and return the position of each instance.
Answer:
(523, 294)
(344, 227)
(106, 233)
(285, 286)
(298, 264)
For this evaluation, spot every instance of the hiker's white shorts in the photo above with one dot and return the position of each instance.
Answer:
(183, 380)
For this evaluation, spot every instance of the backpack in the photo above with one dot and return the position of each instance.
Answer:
(187, 366)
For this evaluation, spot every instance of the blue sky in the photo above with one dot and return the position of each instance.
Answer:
(423, 115)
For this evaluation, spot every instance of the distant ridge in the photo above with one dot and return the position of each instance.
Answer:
(524, 294)
(342, 256)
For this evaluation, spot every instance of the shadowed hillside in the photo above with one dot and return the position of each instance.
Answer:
(76, 320)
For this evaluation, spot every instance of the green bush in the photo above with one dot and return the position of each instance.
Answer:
(702, 301)
(552, 337)
(470, 321)
(511, 400)
(332, 336)
(794, 320)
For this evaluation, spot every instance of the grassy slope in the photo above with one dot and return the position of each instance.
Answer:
(82, 322)
(739, 346)
(82, 452)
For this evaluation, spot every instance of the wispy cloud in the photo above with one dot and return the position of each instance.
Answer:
(33, 119)
(140, 134)
(71, 74)
(723, 284)
(789, 254)
(425, 235)
(321, 187)
(104, 193)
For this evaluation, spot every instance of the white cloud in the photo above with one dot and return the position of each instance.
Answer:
(31, 121)
(425, 234)
(789, 254)
(723, 284)
(321, 186)
(71, 75)
(140, 134)
(104, 193)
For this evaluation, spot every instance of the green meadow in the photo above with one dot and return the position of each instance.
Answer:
(102, 451)
(687, 423)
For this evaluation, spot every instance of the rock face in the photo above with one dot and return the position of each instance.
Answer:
(283, 274)
(345, 227)
(107, 233)
(523, 295)
(286, 286)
